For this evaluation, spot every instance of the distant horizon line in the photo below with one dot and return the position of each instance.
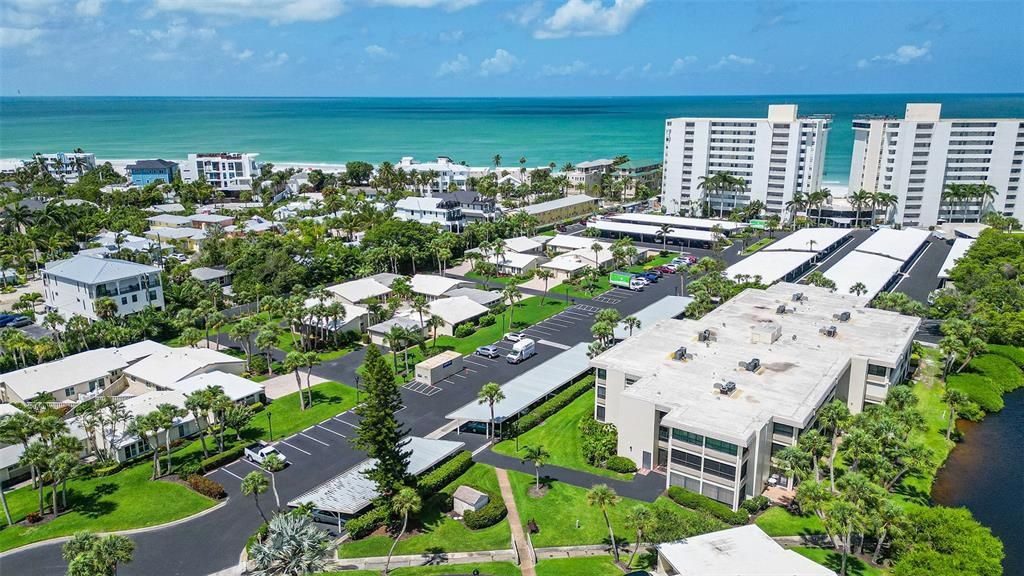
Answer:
(576, 97)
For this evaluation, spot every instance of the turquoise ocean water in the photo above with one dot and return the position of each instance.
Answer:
(374, 129)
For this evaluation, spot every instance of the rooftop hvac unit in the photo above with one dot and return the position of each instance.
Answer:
(798, 296)
(831, 331)
(753, 365)
(704, 336)
(843, 316)
(727, 388)
(680, 353)
(781, 309)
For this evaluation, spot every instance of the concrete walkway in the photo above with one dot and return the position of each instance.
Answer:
(426, 559)
(525, 556)
(646, 488)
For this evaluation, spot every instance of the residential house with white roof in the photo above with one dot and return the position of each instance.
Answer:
(68, 379)
(361, 291)
(206, 221)
(71, 287)
(240, 390)
(163, 370)
(444, 212)
(11, 470)
(169, 221)
(744, 550)
(448, 175)
(434, 287)
(455, 311)
(186, 237)
(488, 298)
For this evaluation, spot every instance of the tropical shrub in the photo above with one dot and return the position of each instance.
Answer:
(756, 504)
(492, 513)
(206, 487)
(434, 481)
(702, 503)
(464, 330)
(1012, 353)
(980, 389)
(487, 320)
(225, 457)
(362, 526)
(620, 464)
(556, 403)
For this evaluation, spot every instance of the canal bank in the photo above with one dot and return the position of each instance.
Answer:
(985, 473)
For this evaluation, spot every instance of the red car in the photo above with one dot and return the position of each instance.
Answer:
(664, 269)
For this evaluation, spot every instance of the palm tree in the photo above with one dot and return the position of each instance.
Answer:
(886, 201)
(816, 446)
(512, 294)
(833, 419)
(420, 306)
(198, 403)
(858, 200)
(37, 456)
(985, 193)
(641, 519)
(266, 340)
(433, 323)
(858, 288)
(254, 484)
(604, 498)
(87, 553)
(631, 322)
(169, 414)
(293, 547)
(539, 456)
(544, 274)
(797, 203)
(662, 233)
(395, 339)
(710, 185)
(956, 401)
(309, 360)
(294, 362)
(406, 502)
(490, 394)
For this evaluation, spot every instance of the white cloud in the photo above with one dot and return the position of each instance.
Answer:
(453, 67)
(450, 5)
(275, 59)
(681, 64)
(25, 14)
(229, 48)
(730, 60)
(589, 18)
(89, 8)
(576, 67)
(903, 55)
(276, 11)
(378, 52)
(502, 62)
(526, 13)
(10, 37)
(178, 31)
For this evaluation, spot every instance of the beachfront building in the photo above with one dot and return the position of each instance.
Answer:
(585, 177)
(562, 209)
(72, 287)
(711, 400)
(426, 210)
(225, 171)
(777, 156)
(445, 175)
(636, 172)
(143, 172)
(474, 207)
(66, 166)
(916, 157)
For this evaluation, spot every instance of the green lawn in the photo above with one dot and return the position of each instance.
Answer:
(833, 560)
(128, 499)
(656, 261)
(485, 568)
(585, 566)
(557, 512)
(329, 399)
(757, 246)
(928, 388)
(527, 312)
(776, 521)
(584, 290)
(505, 280)
(560, 435)
(438, 531)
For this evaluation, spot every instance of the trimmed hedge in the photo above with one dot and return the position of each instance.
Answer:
(620, 464)
(256, 407)
(225, 457)
(756, 504)
(1011, 353)
(362, 526)
(487, 320)
(492, 513)
(206, 487)
(107, 470)
(559, 401)
(702, 503)
(444, 474)
(1000, 370)
(465, 330)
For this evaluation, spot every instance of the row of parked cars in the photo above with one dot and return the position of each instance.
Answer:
(14, 321)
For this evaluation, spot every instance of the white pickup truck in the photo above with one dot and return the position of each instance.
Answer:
(259, 452)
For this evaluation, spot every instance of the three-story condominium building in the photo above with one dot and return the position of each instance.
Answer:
(777, 156)
(441, 210)
(445, 175)
(711, 400)
(143, 172)
(71, 287)
(916, 157)
(227, 171)
(67, 166)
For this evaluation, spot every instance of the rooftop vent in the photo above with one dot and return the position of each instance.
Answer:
(765, 332)
(798, 296)
(706, 335)
(727, 388)
(842, 316)
(781, 309)
(753, 365)
(831, 331)
(680, 353)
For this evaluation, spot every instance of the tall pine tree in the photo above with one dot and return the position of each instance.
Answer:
(379, 434)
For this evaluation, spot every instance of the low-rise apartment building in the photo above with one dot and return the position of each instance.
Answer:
(143, 172)
(68, 380)
(226, 171)
(71, 287)
(436, 177)
(711, 400)
(66, 166)
(442, 211)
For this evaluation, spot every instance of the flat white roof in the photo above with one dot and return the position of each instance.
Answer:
(174, 364)
(457, 309)
(770, 266)
(359, 290)
(667, 307)
(570, 242)
(678, 221)
(432, 285)
(567, 263)
(140, 350)
(872, 270)
(527, 388)
(210, 218)
(558, 203)
(234, 386)
(798, 369)
(651, 230)
(169, 219)
(897, 244)
(808, 240)
(960, 247)
(64, 373)
(745, 551)
(351, 491)
(521, 244)
(517, 260)
(175, 233)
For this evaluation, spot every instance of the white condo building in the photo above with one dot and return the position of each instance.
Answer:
(67, 166)
(448, 175)
(777, 156)
(711, 400)
(71, 287)
(226, 171)
(916, 156)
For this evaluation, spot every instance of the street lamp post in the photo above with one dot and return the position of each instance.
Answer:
(357, 389)
(270, 424)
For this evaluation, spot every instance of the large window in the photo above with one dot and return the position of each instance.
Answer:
(723, 495)
(600, 413)
(663, 433)
(721, 446)
(602, 392)
(876, 370)
(688, 437)
(686, 459)
(782, 430)
(602, 373)
(719, 469)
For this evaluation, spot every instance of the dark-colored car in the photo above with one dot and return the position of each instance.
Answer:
(488, 351)
(7, 319)
(20, 322)
(665, 269)
(649, 276)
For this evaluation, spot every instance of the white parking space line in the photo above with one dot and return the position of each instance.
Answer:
(343, 422)
(541, 330)
(253, 464)
(460, 376)
(559, 321)
(470, 370)
(553, 344)
(331, 431)
(304, 435)
(475, 364)
(297, 448)
(226, 471)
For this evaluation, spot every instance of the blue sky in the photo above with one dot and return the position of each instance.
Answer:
(503, 48)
